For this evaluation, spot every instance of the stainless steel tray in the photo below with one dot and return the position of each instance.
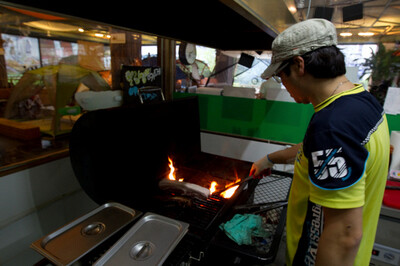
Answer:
(148, 242)
(71, 242)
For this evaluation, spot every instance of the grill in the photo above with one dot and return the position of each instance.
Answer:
(121, 154)
(203, 214)
(200, 214)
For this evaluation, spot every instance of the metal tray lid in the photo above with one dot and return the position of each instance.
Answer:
(148, 242)
(72, 241)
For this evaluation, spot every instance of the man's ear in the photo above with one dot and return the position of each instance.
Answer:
(299, 65)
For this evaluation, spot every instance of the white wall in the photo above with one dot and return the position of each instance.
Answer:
(241, 149)
(35, 202)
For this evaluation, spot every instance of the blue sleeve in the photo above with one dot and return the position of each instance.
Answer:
(336, 160)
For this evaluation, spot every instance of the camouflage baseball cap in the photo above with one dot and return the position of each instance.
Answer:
(298, 39)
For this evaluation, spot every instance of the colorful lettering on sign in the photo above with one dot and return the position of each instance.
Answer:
(136, 77)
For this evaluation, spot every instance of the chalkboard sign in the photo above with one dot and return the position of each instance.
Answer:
(136, 79)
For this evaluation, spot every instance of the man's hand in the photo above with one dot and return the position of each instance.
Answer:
(278, 157)
(261, 167)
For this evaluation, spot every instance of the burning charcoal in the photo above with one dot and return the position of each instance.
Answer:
(182, 202)
(184, 188)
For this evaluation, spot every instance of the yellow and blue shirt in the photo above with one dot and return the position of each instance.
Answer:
(342, 164)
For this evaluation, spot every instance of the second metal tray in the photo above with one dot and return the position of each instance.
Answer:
(148, 242)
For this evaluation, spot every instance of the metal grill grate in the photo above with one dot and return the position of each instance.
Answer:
(202, 213)
(272, 188)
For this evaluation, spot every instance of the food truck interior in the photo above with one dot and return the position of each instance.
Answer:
(128, 129)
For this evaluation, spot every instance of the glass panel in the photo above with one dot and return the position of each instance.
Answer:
(356, 55)
(54, 68)
(194, 75)
(52, 51)
(21, 53)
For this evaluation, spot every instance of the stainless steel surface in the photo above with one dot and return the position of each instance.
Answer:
(272, 15)
(390, 212)
(379, 16)
(148, 242)
(388, 231)
(69, 243)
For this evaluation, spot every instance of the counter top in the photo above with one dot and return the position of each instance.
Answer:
(17, 155)
(390, 212)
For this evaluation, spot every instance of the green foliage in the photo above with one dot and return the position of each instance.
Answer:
(384, 65)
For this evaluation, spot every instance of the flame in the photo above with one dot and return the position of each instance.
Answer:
(172, 175)
(229, 192)
(213, 187)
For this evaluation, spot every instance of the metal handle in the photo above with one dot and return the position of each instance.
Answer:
(260, 207)
(235, 184)
(93, 229)
(142, 249)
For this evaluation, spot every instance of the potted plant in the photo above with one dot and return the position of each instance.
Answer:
(384, 66)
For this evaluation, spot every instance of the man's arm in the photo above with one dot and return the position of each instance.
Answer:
(285, 156)
(279, 157)
(341, 237)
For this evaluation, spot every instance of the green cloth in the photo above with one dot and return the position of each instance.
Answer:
(242, 227)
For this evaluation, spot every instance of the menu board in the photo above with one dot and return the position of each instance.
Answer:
(136, 79)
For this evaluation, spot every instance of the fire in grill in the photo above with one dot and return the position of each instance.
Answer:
(194, 193)
(195, 190)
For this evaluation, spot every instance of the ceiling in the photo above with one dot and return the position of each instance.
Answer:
(380, 17)
(223, 24)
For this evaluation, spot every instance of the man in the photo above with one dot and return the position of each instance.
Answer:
(341, 165)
